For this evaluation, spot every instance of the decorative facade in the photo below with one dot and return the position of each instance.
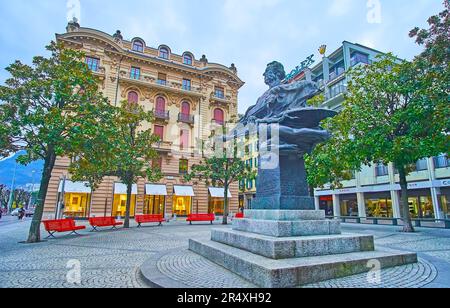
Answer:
(190, 98)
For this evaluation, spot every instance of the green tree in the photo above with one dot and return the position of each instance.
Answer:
(122, 147)
(390, 115)
(4, 196)
(43, 106)
(316, 101)
(221, 169)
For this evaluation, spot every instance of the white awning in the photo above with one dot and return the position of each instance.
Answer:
(121, 189)
(74, 187)
(216, 192)
(183, 191)
(155, 190)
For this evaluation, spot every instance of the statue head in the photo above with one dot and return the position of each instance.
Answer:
(274, 74)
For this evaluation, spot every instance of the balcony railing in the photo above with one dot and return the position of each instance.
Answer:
(335, 91)
(162, 115)
(219, 122)
(186, 118)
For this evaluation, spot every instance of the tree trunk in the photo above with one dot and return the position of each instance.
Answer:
(225, 205)
(126, 223)
(406, 215)
(34, 235)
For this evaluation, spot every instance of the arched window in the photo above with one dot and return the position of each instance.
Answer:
(160, 104)
(133, 97)
(164, 53)
(187, 59)
(185, 108)
(219, 117)
(138, 46)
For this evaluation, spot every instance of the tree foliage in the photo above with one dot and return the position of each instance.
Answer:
(390, 115)
(222, 168)
(44, 104)
(122, 147)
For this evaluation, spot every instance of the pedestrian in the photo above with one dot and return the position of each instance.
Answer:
(21, 213)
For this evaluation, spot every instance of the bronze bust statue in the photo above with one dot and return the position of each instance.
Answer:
(285, 104)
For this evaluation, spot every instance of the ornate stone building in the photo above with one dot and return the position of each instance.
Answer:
(190, 98)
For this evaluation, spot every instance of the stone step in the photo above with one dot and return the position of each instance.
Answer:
(285, 215)
(293, 247)
(288, 273)
(288, 228)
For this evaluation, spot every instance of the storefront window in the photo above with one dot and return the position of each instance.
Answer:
(154, 205)
(349, 205)
(445, 203)
(216, 206)
(326, 204)
(120, 205)
(379, 207)
(76, 205)
(421, 207)
(182, 205)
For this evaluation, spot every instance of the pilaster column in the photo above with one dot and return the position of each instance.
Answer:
(336, 206)
(435, 192)
(395, 197)
(361, 205)
(317, 203)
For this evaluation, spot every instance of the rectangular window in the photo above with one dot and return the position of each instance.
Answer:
(159, 131)
(184, 166)
(219, 92)
(135, 73)
(249, 184)
(93, 63)
(162, 79)
(184, 142)
(187, 84)
(358, 57)
(157, 163)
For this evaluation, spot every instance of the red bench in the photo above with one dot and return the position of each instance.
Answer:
(61, 225)
(201, 217)
(98, 222)
(239, 215)
(142, 219)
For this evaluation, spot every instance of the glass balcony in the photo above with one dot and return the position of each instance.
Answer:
(335, 91)
(441, 162)
(359, 58)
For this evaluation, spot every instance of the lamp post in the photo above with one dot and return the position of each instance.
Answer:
(11, 194)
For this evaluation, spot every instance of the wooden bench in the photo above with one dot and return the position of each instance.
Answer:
(201, 217)
(141, 219)
(61, 225)
(99, 222)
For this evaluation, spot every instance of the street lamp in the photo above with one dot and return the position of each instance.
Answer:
(11, 194)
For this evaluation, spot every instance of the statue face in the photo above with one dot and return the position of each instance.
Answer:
(270, 78)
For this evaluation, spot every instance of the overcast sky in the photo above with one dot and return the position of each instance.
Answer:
(249, 33)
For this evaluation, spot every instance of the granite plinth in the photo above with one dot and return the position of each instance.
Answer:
(288, 273)
(293, 247)
(285, 215)
(279, 228)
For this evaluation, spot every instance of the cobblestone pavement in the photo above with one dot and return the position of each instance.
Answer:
(113, 258)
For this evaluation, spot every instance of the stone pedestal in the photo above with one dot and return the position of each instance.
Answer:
(284, 187)
(279, 248)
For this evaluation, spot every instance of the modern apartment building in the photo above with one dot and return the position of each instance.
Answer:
(375, 191)
(190, 97)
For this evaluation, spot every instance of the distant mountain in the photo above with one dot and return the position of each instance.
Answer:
(24, 174)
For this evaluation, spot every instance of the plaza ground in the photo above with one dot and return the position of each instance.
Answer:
(114, 258)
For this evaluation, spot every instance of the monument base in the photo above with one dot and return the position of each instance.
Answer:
(277, 249)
